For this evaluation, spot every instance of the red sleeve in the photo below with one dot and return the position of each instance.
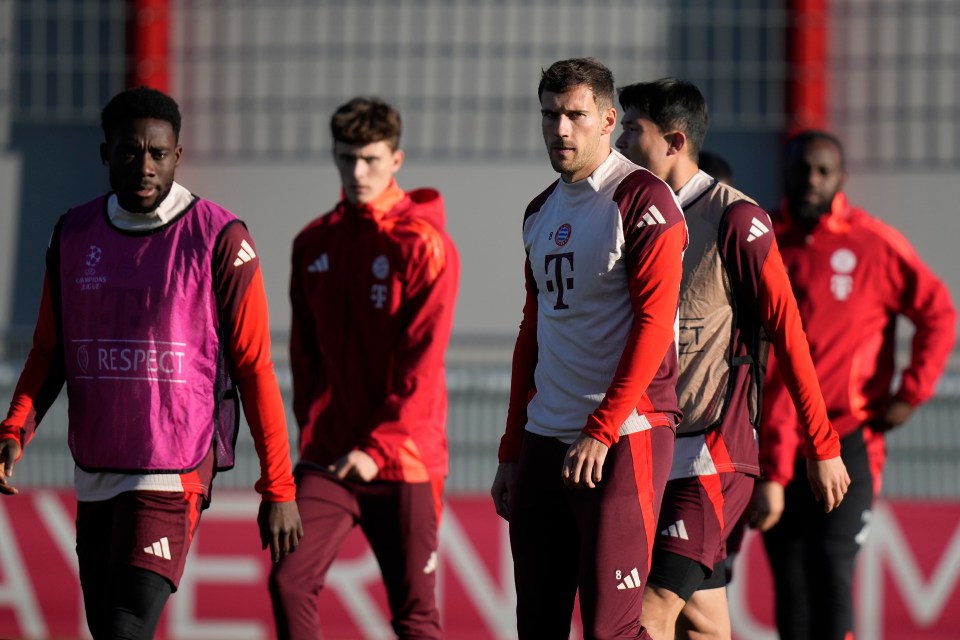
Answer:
(244, 306)
(433, 274)
(306, 360)
(760, 283)
(522, 386)
(43, 373)
(925, 301)
(779, 428)
(781, 319)
(654, 267)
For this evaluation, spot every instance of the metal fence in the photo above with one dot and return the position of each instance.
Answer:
(895, 66)
(68, 58)
(260, 79)
(256, 79)
(923, 455)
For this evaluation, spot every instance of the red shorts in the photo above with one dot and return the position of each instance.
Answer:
(699, 514)
(149, 530)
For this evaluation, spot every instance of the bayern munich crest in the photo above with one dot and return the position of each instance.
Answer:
(843, 261)
(381, 267)
(562, 236)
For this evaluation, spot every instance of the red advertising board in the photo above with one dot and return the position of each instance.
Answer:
(908, 578)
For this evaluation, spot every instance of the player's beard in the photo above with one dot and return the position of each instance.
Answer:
(565, 165)
(810, 212)
(582, 156)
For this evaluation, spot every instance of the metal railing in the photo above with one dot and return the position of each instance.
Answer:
(923, 461)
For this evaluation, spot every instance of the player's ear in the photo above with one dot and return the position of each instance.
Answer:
(676, 142)
(609, 119)
(103, 153)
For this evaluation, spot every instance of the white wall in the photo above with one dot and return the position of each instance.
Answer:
(485, 205)
(925, 207)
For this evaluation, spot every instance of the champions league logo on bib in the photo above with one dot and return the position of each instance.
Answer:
(90, 281)
(94, 254)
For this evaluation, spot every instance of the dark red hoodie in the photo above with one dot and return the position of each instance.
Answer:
(852, 276)
(373, 289)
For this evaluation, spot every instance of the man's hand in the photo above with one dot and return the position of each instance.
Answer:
(766, 505)
(829, 481)
(897, 413)
(280, 528)
(9, 453)
(583, 464)
(503, 486)
(356, 465)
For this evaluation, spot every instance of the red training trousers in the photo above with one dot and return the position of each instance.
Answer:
(597, 541)
(399, 520)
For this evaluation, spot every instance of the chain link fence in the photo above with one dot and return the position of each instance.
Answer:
(922, 459)
(257, 80)
(895, 66)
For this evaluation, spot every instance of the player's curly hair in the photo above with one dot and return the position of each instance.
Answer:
(672, 105)
(140, 102)
(365, 120)
(564, 75)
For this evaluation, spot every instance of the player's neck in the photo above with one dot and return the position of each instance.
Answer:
(680, 174)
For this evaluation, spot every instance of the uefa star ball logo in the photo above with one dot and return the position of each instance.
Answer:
(93, 255)
(83, 358)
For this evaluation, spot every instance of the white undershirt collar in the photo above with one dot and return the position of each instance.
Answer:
(176, 201)
(695, 187)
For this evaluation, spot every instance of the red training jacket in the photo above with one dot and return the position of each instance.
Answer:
(373, 290)
(852, 276)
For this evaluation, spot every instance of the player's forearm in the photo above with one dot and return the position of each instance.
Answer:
(654, 287)
(931, 347)
(263, 408)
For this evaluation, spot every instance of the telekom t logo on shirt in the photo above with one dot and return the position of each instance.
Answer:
(559, 282)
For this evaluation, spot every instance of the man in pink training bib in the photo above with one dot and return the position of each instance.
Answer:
(154, 314)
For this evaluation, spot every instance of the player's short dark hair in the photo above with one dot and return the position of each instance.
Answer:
(140, 102)
(716, 166)
(671, 104)
(363, 121)
(564, 75)
(805, 137)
